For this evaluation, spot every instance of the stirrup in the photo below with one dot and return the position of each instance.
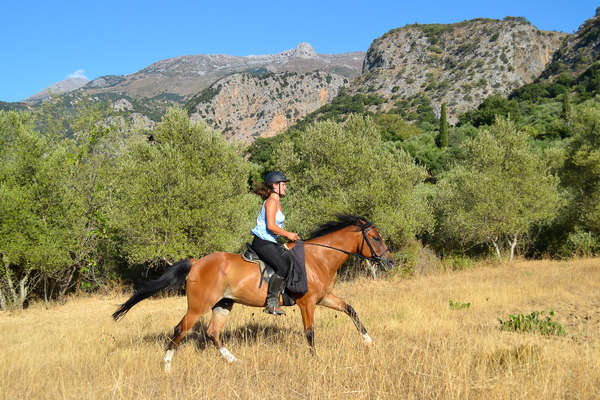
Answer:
(274, 310)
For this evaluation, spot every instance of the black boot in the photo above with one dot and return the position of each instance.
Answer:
(275, 288)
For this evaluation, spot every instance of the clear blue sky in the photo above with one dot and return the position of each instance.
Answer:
(43, 42)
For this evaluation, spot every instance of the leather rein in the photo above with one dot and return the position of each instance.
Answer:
(364, 229)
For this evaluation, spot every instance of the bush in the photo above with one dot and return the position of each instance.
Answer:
(531, 323)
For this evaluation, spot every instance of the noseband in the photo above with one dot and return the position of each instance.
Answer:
(374, 256)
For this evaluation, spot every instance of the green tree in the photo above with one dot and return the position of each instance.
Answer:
(442, 140)
(497, 193)
(184, 194)
(346, 168)
(393, 127)
(581, 171)
(34, 223)
(566, 111)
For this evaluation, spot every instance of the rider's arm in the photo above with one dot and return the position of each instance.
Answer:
(271, 207)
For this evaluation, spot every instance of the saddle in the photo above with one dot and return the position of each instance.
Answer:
(265, 272)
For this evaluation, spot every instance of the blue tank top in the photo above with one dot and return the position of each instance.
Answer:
(261, 230)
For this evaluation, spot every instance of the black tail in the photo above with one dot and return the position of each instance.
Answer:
(174, 277)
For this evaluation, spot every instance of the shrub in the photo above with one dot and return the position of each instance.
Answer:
(532, 323)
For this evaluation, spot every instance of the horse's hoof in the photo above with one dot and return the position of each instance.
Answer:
(228, 356)
(368, 341)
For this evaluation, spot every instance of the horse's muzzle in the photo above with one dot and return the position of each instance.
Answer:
(387, 264)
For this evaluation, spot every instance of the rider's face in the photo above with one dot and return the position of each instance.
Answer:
(280, 188)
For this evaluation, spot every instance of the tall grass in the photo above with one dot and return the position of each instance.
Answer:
(423, 349)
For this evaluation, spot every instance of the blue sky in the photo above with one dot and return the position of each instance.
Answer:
(43, 42)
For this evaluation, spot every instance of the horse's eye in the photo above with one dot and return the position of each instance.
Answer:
(377, 239)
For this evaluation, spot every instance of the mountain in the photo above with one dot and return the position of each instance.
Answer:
(578, 52)
(457, 64)
(177, 79)
(245, 106)
(65, 86)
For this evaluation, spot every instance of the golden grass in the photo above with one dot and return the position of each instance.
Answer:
(422, 348)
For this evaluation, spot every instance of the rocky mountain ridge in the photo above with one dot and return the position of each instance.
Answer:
(457, 64)
(64, 86)
(177, 79)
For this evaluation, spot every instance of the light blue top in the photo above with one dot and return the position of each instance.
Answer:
(261, 230)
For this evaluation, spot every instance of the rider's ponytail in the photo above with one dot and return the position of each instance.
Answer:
(263, 191)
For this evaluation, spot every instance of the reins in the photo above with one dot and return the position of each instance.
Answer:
(364, 229)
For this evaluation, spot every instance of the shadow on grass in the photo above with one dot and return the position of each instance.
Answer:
(249, 334)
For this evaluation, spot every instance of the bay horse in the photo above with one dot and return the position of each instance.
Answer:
(221, 279)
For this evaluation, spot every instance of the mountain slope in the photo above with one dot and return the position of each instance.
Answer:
(457, 64)
(578, 52)
(64, 86)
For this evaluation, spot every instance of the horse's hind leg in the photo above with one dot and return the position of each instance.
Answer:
(220, 313)
(338, 304)
(199, 302)
(189, 320)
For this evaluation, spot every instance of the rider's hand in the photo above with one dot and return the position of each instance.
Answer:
(293, 236)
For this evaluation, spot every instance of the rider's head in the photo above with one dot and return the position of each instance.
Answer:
(273, 182)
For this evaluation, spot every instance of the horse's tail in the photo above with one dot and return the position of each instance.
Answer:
(174, 276)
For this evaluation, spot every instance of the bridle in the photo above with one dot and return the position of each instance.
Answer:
(374, 256)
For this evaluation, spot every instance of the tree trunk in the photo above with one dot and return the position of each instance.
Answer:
(66, 283)
(14, 298)
(513, 244)
(495, 242)
(23, 289)
(3, 303)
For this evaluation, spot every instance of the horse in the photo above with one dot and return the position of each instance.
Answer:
(219, 280)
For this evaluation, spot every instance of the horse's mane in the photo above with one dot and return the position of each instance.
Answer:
(343, 220)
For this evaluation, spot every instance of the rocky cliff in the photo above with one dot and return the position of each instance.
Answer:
(245, 106)
(457, 64)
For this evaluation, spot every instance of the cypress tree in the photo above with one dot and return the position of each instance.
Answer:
(566, 107)
(443, 135)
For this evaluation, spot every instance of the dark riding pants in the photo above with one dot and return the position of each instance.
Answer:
(273, 254)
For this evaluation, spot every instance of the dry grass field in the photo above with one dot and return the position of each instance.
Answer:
(423, 349)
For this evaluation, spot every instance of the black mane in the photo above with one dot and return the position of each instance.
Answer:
(343, 220)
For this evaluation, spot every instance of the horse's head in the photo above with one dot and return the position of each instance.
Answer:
(374, 248)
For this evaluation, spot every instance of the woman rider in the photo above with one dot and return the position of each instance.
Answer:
(269, 225)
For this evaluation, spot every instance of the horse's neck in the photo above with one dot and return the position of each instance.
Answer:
(337, 240)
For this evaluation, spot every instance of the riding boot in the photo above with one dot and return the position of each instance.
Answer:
(275, 288)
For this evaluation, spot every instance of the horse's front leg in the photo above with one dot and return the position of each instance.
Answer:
(307, 309)
(338, 304)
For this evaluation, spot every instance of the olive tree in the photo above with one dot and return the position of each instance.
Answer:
(497, 192)
(34, 230)
(183, 193)
(346, 168)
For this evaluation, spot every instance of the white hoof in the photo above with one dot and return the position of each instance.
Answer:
(227, 355)
(168, 358)
(367, 339)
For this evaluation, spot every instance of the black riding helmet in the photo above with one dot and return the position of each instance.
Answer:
(275, 177)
